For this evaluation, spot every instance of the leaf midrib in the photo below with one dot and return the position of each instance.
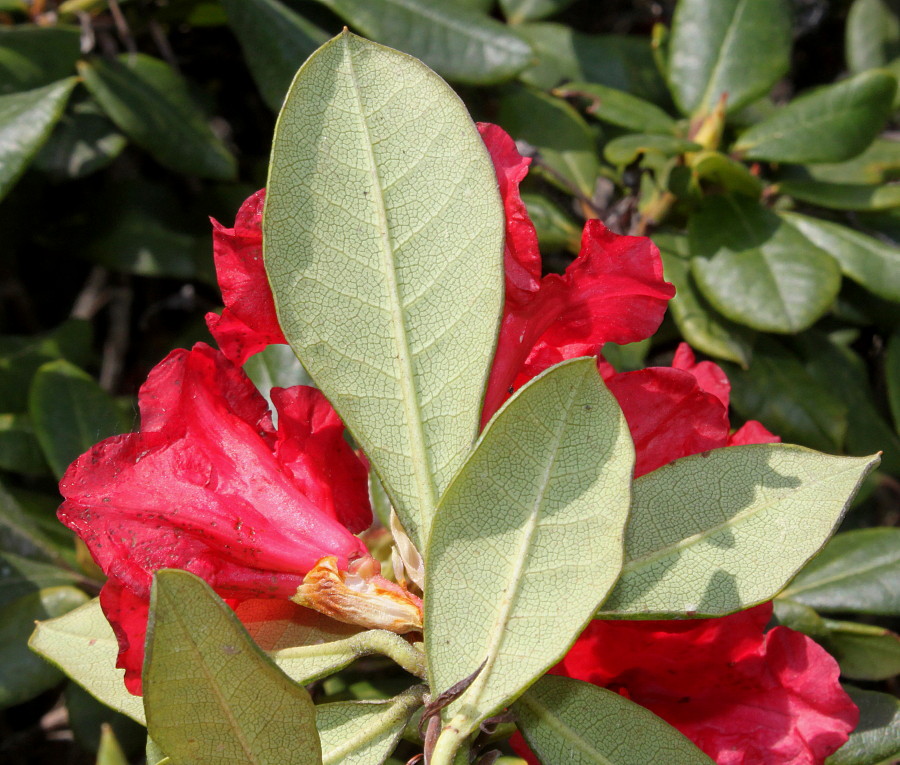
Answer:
(564, 731)
(723, 50)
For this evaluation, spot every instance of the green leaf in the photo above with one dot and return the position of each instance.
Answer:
(857, 571)
(275, 366)
(735, 48)
(20, 576)
(876, 740)
(539, 508)
(864, 652)
(757, 270)
(517, 11)
(843, 196)
(570, 721)
(879, 163)
(870, 262)
(620, 108)
(110, 753)
(627, 148)
(275, 42)
(829, 124)
(892, 377)
(460, 44)
(701, 325)
(22, 674)
(70, 413)
(565, 143)
(394, 317)
(555, 228)
(364, 732)
(26, 120)
(210, 694)
(149, 102)
(83, 645)
(32, 56)
(88, 717)
(778, 390)
(872, 35)
(19, 450)
(20, 533)
(722, 170)
(713, 533)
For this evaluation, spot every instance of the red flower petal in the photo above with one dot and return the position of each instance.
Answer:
(752, 432)
(248, 324)
(709, 376)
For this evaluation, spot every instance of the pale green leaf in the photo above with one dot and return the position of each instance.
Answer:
(758, 271)
(716, 532)
(210, 694)
(736, 48)
(364, 732)
(857, 571)
(620, 108)
(537, 510)
(110, 752)
(275, 42)
(383, 244)
(862, 197)
(876, 740)
(872, 34)
(83, 645)
(576, 723)
(829, 124)
(26, 120)
(463, 45)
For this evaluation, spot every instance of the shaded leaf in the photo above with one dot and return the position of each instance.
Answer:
(843, 196)
(400, 335)
(19, 533)
(88, 717)
(627, 148)
(21, 576)
(879, 163)
(876, 740)
(275, 42)
(33, 56)
(19, 450)
(620, 108)
(517, 11)
(566, 720)
(110, 753)
(722, 170)
(149, 102)
(200, 658)
(872, 35)
(892, 377)
(26, 120)
(857, 571)
(555, 229)
(275, 366)
(539, 508)
(736, 48)
(864, 652)
(829, 124)
(757, 270)
(461, 44)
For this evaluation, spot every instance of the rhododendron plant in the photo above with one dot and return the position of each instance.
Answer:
(531, 486)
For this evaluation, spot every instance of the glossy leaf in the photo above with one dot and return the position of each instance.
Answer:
(21, 576)
(33, 56)
(627, 148)
(364, 732)
(620, 108)
(566, 720)
(70, 413)
(713, 533)
(830, 124)
(275, 42)
(210, 694)
(857, 571)
(19, 450)
(843, 196)
(721, 170)
(538, 509)
(20, 534)
(565, 143)
(870, 262)
(460, 44)
(82, 645)
(23, 675)
(864, 652)
(876, 740)
(149, 102)
(736, 48)
(26, 120)
(758, 271)
(872, 35)
(395, 328)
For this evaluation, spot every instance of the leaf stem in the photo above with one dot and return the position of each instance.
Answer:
(393, 646)
(448, 743)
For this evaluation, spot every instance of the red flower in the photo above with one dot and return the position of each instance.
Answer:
(209, 486)
(248, 324)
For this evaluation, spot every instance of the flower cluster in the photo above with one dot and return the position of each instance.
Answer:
(211, 486)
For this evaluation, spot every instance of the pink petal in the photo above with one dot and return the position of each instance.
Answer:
(752, 432)
(711, 377)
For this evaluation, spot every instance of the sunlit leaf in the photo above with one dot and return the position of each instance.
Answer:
(620, 108)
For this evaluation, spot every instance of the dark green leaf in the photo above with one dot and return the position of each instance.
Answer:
(110, 752)
(863, 651)
(23, 674)
(790, 613)
(275, 42)
(150, 103)
(879, 163)
(830, 124)
(843, 196)
(32, 57)
(20, 533)
(462, 45)
(721, 170)
(778, 390)
(736, 48)
(210, 694)
(872, 35)
(565, 143)
(21, 576)
(26, 120)
(19, 450)
(876, 740)
(555, 229)
(892, 375)
(757, 270)
(70, 412)
(620, 108)
(576, 723)
(627, 148)
(88, 717)
(857, 571)
(517, 11)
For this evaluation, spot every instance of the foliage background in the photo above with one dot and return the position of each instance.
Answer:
(107, 183)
